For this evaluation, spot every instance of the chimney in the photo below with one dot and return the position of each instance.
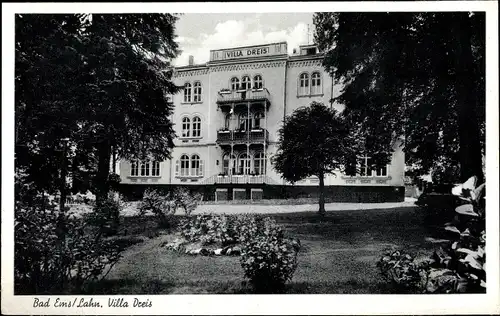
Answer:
(191, 60)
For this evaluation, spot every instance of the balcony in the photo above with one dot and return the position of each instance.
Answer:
(226, 137)
(225, 97)
(239, 179)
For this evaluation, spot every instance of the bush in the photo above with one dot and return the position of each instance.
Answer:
(106, 215)
(164, 206)
(439, 207)
(56, 252)
(458, 267)
(268, 259)
(219, 228)
(187, 200)
(404, 273)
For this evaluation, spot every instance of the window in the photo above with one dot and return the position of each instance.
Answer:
(304, 84)
(197, 92)
(134, 168)
(186, 127)
(235, 83)
(196, 166)
(316, 83)
(257, 120)
(259, 164)
(246, 83)
(257, 82)
(229, 164)
(227, 121)
(381, 172)
(196, 126)
(145, 169)
(187, 92)
(364, 166)
(244, 164)
(244, 122)
(184, 165)
(155, 169)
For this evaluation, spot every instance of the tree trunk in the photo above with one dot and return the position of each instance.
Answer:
(62, 188)
(102, 183)
(321, 177)
(469, 135)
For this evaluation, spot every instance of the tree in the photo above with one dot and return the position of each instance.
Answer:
(128, 80)
(417, 75)
(101, 82)
(313, 141)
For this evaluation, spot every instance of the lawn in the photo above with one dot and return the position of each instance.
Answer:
(338, 255)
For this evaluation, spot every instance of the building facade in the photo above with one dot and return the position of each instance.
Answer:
(227, 119)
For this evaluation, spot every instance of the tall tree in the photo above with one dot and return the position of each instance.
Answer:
(313, 141)
(128, 80)
(87, 85)
(417, 75)
(45, 48)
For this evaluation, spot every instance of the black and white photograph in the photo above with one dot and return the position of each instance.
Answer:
(208, 158)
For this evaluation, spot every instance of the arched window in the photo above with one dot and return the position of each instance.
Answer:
(196, 126)
(259, 164)
(186, 126)
(187, 92)
(235, 83)
(246, 83)
(244, 122)
(196, 165)
(229, 165)
(197, 92)
(316, 83)
(244, 164)
(257, 120)
(304, 84)
(227, 121)
(184, 165)
(257, 82)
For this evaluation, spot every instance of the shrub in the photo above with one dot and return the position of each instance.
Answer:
(219, 228)
(188, 201)
(106, 215)
(164, 206)
(56, 252)
(404, 273)
(458, 267)
(439, 207)
(268, 259)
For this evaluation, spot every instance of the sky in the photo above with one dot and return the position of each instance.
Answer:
(200, 33)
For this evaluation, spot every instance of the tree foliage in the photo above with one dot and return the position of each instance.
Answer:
(102, 82)
(417, 75)
(313, 141)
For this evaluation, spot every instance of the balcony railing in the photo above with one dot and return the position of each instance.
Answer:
(238, 136)
(243, 95)
(239, 179)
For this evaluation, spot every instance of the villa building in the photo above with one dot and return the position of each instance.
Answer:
(227, 119)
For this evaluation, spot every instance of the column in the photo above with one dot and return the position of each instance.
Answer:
(265, 134)
(249, 121)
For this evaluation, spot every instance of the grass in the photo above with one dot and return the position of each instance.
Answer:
(338, 255)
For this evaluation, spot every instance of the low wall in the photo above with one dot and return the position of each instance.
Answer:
(352, 194)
